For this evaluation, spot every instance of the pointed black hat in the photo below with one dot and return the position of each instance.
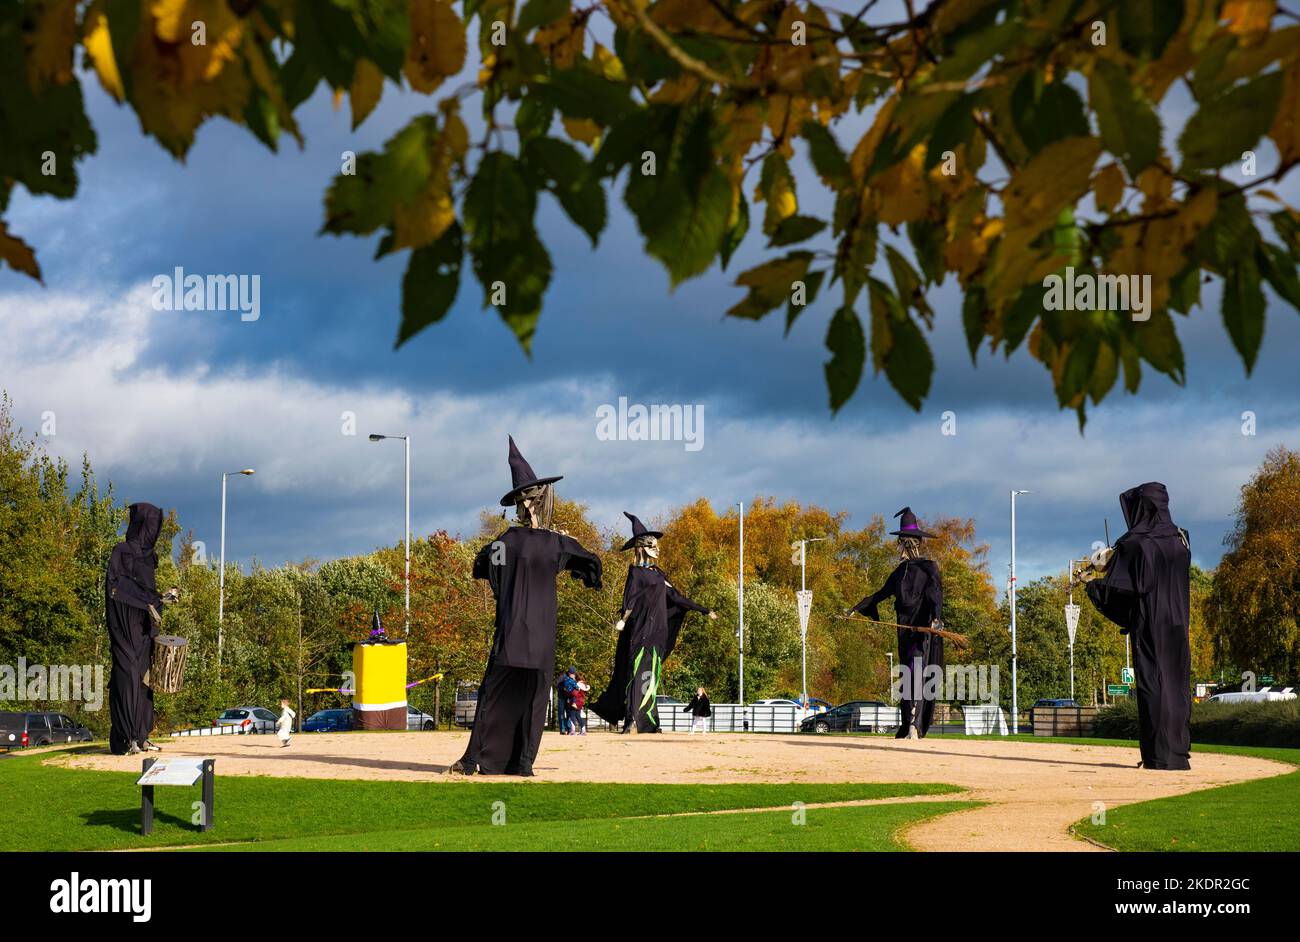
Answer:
(909, 526)
(522, 475)
(638, 530)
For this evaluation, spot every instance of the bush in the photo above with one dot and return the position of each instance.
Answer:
(1275, 723)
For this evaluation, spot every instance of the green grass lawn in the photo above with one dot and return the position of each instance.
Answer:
(50, 807)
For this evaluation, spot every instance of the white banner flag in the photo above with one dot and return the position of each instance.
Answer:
(1071, 620)
(804, 597)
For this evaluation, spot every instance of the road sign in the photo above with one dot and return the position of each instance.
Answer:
(1117, 690)
(1071, 620)
(804, 598)
(1126, 676)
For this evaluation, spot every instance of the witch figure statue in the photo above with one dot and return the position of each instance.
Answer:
(1146, 592)
(648, 625)
(521, 565)
(132, 608)
(917, 591)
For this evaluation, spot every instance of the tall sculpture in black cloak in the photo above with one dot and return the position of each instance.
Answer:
(648, 626)
(917, 591)
(133, 608)
(521, 565)
(1145, 590)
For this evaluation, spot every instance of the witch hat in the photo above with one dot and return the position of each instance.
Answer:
(638, 530)
(523, 476)
(376, 626)
(909, 526)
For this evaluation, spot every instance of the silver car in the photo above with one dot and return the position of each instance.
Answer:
(249, 719)
(417, 720)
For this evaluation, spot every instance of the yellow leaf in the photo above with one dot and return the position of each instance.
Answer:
(425, 219)
(1108, 187)
(367, 87)
(175, 23)
(99, 46)
(1055, 178)
(899, 194)
(437, 47)
(865, 151)
(49, 45)
(583, 130)
(1248, 16)
(1285, 131)
(562, 41)
(18, 254)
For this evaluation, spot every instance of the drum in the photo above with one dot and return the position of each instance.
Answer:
(167, 670)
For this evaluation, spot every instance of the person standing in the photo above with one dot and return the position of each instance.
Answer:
(521, 565)
(563, 693)
(577, 701)
(917, 591)
(699, 711)
(132, 608)
(1146, 591)
(648, 626)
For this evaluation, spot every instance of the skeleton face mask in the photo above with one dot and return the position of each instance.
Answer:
(909, 547)
(647, 550)
(536, 507)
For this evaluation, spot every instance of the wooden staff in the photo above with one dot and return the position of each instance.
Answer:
(953, 636)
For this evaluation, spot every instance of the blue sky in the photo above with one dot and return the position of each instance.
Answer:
(165, 401)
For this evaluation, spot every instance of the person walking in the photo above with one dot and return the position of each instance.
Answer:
(699, 711)
(284, 725)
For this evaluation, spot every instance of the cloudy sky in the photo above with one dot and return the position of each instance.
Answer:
(163, 402)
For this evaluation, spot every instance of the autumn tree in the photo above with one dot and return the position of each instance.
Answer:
(1253, 608)
(998, 142)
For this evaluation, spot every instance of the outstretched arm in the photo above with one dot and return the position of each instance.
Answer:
(870, 606)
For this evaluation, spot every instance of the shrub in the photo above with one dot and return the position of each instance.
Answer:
(1275, 723)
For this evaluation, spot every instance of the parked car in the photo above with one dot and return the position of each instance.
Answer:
(20, 730)
(662, 700)
(1059, 702)
(816, 705)
(249, 719)
(329, 721)
(777, 702)
(466, 705)
(417, 720)
(840, 719)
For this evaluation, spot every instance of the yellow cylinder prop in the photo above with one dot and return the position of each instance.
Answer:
(379, 700)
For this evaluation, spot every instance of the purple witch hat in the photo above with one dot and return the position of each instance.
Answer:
(522, 476)
(909, 525)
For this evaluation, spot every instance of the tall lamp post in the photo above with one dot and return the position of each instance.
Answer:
(1015, 701)
(805, 606)
(744, 721)
(407, 440)
(221, 577)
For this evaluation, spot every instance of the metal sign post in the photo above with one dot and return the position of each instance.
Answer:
(176, 771)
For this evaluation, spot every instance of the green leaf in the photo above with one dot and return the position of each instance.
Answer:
(898, 346)
(1230, 235)
(334, 34)
(540, 12)
(559, 167)
(1145, 28)
(1129, 126)
(1158, 344)
(813, 280)
(1230, 123)
(734, 235)
(1017, 320)
(770, 284)
(848, 347)
(1286, 223)
(774, 180)
(974, 312)
(795, 229)
(955, 127)
(1046, 114)
(533, 117)
(827, 158)
(361, 202)
(1279, 269)
(1243, 310)
(907, 282)
(927, 240)
(582, 93)
(430, 284)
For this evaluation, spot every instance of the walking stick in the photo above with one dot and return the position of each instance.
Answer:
(956, 637)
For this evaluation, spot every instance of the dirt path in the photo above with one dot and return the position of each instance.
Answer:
(1035, 791)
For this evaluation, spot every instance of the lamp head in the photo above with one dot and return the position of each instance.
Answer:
(248, 471)
(377, 438)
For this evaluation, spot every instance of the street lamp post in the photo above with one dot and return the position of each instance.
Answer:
(1015, 701)
(744, 720)
(221, 576)
(407, 440)
(803, 590)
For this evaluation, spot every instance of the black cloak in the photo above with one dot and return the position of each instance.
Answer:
(129, 589)
(1146, 592)
(917, 591)
(521, 565)
(647, 638)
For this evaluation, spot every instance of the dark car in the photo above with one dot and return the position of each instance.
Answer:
(838, 719)
(328, 721)
(1060, 702)
(19, 730)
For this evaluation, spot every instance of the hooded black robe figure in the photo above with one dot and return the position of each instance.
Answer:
(130, 590)
(1146, 592)
(917, 591)
(521, 565)
(649, 623)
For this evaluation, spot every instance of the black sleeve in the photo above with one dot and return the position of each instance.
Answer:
(124, 586)
(582, 563)
(870, 606)
(1115, 594)
(934, 592)
(677, 600)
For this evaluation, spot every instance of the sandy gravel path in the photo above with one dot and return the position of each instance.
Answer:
(1035, 791)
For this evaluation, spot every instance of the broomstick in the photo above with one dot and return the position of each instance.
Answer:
(956, 637)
